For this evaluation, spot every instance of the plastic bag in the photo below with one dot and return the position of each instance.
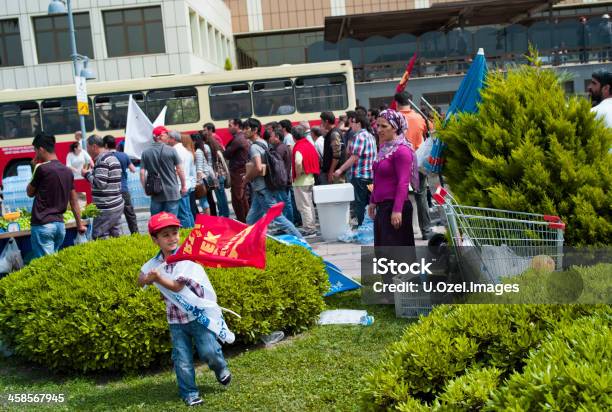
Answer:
(80, 239)
(10, 258)
(348, 237)
(423, 153)
(364, 235)
(273, 338)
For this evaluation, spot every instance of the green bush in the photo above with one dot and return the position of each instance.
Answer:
(81, 308)
(570, 372)
(469, 392)
(455, 339)
(533, 151)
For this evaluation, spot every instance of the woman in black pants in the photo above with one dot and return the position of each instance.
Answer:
(394, 169)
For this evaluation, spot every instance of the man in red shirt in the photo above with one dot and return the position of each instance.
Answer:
(416, 134)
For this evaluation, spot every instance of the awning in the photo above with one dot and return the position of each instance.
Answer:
(440, 16)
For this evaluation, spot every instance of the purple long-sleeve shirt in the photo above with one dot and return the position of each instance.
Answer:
(392, 178)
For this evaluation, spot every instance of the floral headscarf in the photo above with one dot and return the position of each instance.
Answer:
(386, 150)
(396, 119)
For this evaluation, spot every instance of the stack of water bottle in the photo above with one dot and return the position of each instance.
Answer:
(139, 198)
(14, 190)
(15, 196)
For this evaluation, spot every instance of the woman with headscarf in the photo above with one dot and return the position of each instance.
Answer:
(395, 167)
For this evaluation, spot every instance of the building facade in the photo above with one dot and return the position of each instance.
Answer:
(272, 32)
(124, 39)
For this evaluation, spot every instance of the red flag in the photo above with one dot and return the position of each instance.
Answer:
(225, 243)
(401, 86)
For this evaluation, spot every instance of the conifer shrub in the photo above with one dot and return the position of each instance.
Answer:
(531, 148)
(81, 309)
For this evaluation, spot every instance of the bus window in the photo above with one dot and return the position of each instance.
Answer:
(182, 105)
(230, 101)
(111, 110)
(321, 93)
(19, 119)
(273, 97)
(60, 116)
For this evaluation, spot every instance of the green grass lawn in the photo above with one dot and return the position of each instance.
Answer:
(319, 370)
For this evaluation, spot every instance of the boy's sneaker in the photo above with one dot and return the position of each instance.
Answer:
(194, 401)
(225, 378)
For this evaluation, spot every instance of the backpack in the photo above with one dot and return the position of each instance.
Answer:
(276, 172)
(153, 183)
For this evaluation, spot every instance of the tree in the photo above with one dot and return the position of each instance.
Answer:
(228, 64)
(532, 149)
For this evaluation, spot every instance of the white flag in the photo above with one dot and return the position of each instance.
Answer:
(139, 129)
(161, 118)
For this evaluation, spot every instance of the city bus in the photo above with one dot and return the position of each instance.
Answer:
(295, 92)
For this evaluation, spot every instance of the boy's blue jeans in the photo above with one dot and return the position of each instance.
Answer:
(208, 349)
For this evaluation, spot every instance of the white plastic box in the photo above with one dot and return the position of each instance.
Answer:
(333, 206)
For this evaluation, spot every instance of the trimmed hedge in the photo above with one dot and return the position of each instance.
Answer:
(81, 308)
(454, 359)
(570, 372)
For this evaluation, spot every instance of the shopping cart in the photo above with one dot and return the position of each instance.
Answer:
(491, 243)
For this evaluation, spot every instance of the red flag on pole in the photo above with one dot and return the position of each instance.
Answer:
(401, 86)
(225, 243)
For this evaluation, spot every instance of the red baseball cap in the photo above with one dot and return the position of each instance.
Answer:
(159, 130)
(162, 220)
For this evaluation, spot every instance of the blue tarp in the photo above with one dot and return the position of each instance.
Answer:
(338, 281)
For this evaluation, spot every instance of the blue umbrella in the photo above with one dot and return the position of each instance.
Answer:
(466, 100)
(468, 95)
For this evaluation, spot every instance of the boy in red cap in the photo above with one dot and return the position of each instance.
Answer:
(184, 328)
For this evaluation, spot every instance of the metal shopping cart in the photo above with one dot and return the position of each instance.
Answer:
(491, 243)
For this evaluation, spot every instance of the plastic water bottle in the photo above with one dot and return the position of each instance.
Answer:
(366, 320)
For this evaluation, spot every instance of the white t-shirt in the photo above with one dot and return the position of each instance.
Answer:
(188, 165)
(77, 162)
(604, 111)
(320, 145)
(288, 140)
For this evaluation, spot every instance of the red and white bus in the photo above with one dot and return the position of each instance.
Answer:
(294, 92)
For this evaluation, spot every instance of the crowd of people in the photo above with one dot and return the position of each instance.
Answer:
(261, 165)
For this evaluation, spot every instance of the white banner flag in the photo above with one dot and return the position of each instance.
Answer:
(139, 129)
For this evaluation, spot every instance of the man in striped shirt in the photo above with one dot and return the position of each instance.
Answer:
(105, 179)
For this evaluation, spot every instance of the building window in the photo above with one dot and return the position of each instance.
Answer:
(19, 119)
(230, 101)
(10, 43)
(273, 97)
(439, 99)
(321, 93)
(182, 105)
(377, 102)
(134, 31)
(60, 116)
(111, 110)
(275, 49)
(53, 38)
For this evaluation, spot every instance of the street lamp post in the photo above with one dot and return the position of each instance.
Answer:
(79, 61)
